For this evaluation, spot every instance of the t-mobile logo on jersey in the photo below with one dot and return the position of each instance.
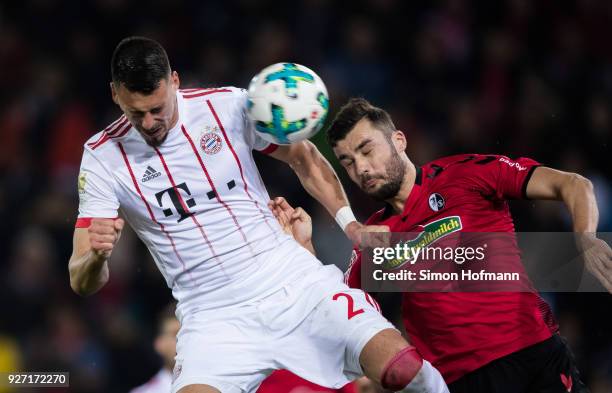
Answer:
(180, 205)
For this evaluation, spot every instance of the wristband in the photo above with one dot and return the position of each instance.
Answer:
(345, 216)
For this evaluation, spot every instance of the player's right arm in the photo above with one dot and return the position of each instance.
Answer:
(92, 247)
(97, 228)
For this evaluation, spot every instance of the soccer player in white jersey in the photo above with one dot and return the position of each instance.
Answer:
(179, 166)
(165, 346)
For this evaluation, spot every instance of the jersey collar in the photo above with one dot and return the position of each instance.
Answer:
(418, 180)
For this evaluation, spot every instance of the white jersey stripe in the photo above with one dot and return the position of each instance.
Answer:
(214, 113)
(212, 185)
(372, 302)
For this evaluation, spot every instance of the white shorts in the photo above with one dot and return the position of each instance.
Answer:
(315, 327)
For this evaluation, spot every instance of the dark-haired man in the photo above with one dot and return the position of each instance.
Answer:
(179, 165)
(165, 346)
(481, 342)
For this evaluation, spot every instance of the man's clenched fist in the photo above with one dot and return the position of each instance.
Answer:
(103, 234)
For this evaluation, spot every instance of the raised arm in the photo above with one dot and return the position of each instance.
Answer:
(315, 173)
(92, 247)
(321, 182)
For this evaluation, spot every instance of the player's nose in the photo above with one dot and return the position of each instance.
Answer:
(361, 167)
(148, 121)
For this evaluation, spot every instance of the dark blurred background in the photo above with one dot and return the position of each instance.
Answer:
(518, 77)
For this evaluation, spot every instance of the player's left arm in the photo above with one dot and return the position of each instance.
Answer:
(577, 193)
(321, 182)
(295, 222)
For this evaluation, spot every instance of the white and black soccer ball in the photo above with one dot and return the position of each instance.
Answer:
(287, 102)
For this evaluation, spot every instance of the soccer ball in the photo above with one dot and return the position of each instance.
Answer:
(287, 102)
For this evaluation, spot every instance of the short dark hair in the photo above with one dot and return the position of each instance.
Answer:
(139, 64)
(167, 313)
(351, 113)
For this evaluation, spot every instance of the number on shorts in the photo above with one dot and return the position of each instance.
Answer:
(351, 303)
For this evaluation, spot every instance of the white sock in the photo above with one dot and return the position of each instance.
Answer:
(427, 380)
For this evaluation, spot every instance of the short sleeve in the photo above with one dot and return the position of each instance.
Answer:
(97, 198)
(501, 177)
(255, 141)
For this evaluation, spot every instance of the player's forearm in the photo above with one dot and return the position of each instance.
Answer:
(88, 273)
(319, 179)
(577, 194)
(309, 247)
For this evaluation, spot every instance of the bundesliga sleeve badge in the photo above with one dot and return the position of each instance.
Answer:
(82, 182)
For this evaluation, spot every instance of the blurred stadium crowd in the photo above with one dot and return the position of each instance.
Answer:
(517, 77)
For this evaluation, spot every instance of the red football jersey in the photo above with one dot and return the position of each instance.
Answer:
(459, 332)
(283, 381)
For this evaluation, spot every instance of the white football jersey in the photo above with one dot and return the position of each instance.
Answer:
(197, 201)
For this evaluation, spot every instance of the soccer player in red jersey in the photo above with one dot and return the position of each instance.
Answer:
(283, 381)
(481, 342)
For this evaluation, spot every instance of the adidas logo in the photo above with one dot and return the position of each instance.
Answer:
(149, 174)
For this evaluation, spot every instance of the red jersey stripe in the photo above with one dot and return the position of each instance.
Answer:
(161, 226)
(106, 135)
(271, 148)
(206, 92)
(246, 189)
(113, 125)
(191, 89)
(121, 133)
(193, 217)
(85, 222)
(115, 130)
(116, 122)
(212, 185)
(99, 142)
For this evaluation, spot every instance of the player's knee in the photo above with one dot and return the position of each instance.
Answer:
(198, 388)
(401, 369)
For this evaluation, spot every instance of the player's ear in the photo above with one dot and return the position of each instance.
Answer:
(399, 141)
(158, 345)
(175, 80)
(114, 93)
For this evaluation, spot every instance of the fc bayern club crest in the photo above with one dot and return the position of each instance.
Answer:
(436, 202)
(210, 143)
